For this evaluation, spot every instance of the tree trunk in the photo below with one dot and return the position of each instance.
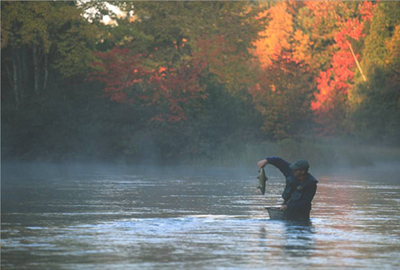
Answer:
(24, 73)
(15, 82)
(357, 63)
(36, 69)
(46, 70)
(21, 75)
(10, 75)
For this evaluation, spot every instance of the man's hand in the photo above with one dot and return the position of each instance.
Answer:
(262, 163)
(283, 207)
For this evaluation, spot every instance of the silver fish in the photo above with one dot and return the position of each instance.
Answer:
(262, 179)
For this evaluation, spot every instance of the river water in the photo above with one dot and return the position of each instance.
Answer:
(114, 217)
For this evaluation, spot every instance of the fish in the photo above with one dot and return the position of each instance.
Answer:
(262, 179)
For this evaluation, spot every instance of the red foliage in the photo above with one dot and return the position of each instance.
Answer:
(166, 88)
(175, 87)
(366, 10)
(126, 79)
(118, 70)
(335, 83)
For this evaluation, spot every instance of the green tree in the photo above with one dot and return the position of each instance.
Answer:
(218, 32)
(283, 96)
(38, 37)
(376, 103)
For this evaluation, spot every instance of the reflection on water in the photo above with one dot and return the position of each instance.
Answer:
(299, 240)
(90, 219)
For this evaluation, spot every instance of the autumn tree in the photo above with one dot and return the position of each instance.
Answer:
(336, 82)
(181, 80)
(285, 83)
(187, 42)
(283, 96)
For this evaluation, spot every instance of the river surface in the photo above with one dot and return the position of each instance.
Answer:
(114, 217)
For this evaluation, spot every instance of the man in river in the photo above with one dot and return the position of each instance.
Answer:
(300, 186)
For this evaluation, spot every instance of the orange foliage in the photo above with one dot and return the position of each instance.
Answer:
(279, 37)
(280, 41)
(275, 38)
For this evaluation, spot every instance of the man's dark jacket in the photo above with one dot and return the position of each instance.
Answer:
(296, 195)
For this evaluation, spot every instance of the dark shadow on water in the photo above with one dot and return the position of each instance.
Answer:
(299, 238)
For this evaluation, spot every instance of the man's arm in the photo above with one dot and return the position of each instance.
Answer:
(278, 162)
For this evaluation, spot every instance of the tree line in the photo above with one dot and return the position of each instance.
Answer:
(168, 81)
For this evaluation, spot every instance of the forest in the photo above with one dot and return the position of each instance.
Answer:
(200, 82)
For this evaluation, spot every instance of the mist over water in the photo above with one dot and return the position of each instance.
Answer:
(117, 217)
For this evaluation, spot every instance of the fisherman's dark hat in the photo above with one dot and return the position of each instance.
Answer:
(300, 164)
